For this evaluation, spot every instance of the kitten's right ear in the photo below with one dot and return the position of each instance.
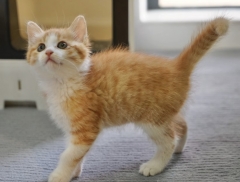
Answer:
(33, 31)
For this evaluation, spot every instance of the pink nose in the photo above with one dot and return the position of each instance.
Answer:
(48, 52)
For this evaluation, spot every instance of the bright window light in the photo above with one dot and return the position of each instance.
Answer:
(195, 3)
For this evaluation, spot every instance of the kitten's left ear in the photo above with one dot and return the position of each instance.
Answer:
(33, 31)
(79, 28)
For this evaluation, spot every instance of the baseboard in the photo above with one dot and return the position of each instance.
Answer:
(18, 83)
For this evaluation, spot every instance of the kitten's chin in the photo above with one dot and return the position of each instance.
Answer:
(51, 65)
(53, 70)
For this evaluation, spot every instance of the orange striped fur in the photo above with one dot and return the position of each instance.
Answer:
(87, 93)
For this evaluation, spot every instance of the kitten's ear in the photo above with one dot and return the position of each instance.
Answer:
(79, 28)
(33, 31)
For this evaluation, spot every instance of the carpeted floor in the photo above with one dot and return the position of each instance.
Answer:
(30, 144)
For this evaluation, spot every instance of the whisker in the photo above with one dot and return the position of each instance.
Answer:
(68, 62)
(58, 66)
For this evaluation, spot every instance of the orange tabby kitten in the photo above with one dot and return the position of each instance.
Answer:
(86, 94)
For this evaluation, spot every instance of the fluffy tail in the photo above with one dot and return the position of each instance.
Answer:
(201, 44)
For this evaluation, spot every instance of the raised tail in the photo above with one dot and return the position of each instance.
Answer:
(201, 44)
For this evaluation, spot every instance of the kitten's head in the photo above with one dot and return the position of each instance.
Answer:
(59, 52)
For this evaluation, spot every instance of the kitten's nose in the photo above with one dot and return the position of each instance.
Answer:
(48, 52)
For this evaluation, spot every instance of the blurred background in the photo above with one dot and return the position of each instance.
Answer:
(107, 23)
(168, 25)
(146, 25)
(55, 13)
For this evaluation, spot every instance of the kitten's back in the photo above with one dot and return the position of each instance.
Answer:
(154, 83)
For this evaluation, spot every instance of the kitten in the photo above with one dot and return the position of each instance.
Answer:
(86, 94)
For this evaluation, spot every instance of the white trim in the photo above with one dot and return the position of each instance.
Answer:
(188, 15)
(202, 3)
(184, 15)
(163, 31)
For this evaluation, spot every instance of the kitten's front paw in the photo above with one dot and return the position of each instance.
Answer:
(77, 172)
(58, 177)
(151, 168)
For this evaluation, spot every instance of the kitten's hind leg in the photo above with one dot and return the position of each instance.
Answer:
(164, 138)
(180, 129)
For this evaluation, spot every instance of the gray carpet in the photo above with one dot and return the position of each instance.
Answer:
(30, 144)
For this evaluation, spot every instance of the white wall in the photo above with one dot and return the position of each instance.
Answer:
(172, 30)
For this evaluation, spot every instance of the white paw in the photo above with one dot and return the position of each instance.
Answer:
(77, 172)
(151, 168)
(58, 177)
(178, 150)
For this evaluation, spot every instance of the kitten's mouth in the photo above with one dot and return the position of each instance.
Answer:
(51, 60)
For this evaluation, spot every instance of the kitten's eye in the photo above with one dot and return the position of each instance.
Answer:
(41, 47)
(62, 45)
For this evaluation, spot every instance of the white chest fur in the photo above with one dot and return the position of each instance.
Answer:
(57, 113)
(59, 88)
(57, 93)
